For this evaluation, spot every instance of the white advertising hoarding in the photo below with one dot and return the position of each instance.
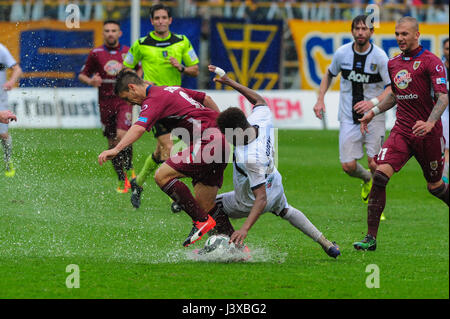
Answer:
(78, 107)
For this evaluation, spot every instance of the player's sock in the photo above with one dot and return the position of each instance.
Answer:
(181, 194)
(223, 224)
(150, 165)
(128, 157)
(377, 202)
(361, 173)
(441, 192)
(300, 221)
(7, 148)
(117, 163)
(445, 174)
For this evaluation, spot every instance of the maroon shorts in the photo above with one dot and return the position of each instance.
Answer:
(428, 151)
(115, 114)
(204, 161)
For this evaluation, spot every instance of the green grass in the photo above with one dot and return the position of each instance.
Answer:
(61, 209)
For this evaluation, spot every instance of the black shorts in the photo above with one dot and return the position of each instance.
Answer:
(160, 129)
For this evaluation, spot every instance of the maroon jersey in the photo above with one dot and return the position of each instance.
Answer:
(107, 62)
(182, 106)
(415, 78)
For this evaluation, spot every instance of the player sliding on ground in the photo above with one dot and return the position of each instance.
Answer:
(204, 160)
(257, 182)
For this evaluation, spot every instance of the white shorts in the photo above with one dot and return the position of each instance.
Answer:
(276, 200)
(351, 141)
(3, 107)
(444, 119)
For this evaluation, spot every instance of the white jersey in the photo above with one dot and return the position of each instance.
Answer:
(254, 164)
(6, 62)
(363, 77)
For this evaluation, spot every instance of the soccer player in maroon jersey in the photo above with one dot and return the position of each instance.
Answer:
(101, 68)
(193, 116)
(419, 89)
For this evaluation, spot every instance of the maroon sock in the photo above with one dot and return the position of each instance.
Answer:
(377, 202)
(181, 194)
(441, 192)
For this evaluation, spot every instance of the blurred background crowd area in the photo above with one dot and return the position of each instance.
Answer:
(429, 11)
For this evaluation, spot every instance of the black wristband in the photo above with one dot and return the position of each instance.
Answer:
(182, 69)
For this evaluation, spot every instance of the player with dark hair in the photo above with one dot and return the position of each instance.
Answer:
(161, 53)
(364, 82)
(193, 114)
(257, 183)
(100, 70)
(415, 74)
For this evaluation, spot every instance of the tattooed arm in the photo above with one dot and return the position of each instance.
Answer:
(422, 128)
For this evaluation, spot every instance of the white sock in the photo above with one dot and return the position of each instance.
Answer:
(7, 148)
(361, 173)
(300, 221)
(445, 169)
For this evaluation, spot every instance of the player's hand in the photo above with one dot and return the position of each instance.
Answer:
(363, 106)
(319, 109)
(8, 86)
(221, 78)
(7, 116)
(106, 156)
(96, 80)
(175, 63)
(238, 237)
(422, 128)
(365, 120)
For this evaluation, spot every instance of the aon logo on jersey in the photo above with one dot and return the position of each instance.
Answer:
(358, 77)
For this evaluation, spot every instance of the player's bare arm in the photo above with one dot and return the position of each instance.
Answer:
(387, 103)
(249, 94)
(258, 208)
(422, 128)
(189, 70)
(319, 108)
(132, 135)
(15, 76)
(209, 103)
(364, 106)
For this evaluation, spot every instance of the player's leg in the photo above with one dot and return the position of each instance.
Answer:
(394, 153)
(351, 149)
(6, 140)
(430, 159)
(161, 153)
(123, 124)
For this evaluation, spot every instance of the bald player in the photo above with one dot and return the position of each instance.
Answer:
(419, 89)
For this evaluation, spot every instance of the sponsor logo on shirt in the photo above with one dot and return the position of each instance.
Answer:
(407, 97)
(112, 67)
(358, 77)
(441, 81)
(402, 79)
(142, 119)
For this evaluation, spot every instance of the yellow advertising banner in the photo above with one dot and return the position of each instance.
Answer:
(316, 43)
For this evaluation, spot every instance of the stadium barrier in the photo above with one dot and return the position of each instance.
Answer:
(77, 107)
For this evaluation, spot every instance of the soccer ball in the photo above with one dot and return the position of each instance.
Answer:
(218, 243)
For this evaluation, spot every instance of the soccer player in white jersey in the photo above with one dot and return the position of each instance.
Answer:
(257, 182)
(364, 83)
(6, 62)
